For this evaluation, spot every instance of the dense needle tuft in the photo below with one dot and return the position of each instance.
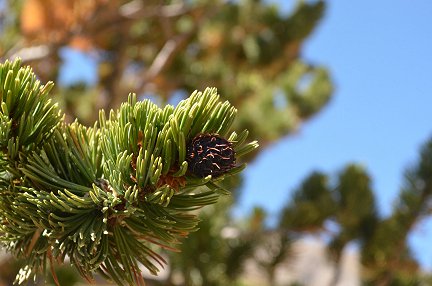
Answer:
(106, 196)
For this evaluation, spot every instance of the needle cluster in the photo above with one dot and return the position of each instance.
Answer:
(106, 197)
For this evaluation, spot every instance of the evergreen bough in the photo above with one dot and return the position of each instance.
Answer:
(106, 197)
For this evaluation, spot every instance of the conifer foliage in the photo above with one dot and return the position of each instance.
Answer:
(108, 196)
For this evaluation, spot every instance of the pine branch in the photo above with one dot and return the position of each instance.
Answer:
(108, 196)
(387, 251)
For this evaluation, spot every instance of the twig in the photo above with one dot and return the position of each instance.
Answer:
(28, 54)
(34, 239)
(135, 10)
(54, 275)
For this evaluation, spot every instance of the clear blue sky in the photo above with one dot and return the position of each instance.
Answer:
(380, 55)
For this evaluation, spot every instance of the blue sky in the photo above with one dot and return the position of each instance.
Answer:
(380, 56)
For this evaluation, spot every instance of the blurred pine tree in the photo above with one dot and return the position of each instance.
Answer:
(349, 207)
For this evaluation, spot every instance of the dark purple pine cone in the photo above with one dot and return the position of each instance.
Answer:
(210, 154)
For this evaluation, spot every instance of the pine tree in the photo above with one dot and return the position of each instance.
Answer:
(246, 49)
(107, 196)
(349, 204)
(385, 254)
